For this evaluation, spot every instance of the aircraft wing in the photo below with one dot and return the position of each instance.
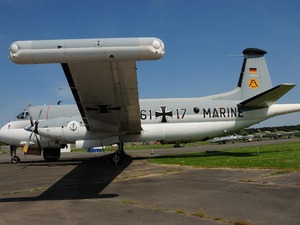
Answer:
(266, 98)
(101, 74)
(106, 94)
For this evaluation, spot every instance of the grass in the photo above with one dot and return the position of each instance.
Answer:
(129, 147)
(282, 157)
(132, 146)
(3, 151)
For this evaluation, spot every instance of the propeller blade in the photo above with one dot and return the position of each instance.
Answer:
(30, 117)
(40, 113)
(37, 122)
(38, 142)
(33, 129)
(26, 146)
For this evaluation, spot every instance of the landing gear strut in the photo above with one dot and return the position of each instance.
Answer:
(13, 153)
(119, 154)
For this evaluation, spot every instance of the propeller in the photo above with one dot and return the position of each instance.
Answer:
(33, 128)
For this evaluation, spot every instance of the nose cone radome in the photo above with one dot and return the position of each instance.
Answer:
(2, 133)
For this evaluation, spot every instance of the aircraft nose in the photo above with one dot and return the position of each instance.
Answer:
(1, 131)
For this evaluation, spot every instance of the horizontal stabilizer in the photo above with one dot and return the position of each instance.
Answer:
(267, 98)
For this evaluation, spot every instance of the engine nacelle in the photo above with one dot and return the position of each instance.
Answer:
(62, 130)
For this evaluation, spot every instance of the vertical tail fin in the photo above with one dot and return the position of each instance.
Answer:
(254, 77)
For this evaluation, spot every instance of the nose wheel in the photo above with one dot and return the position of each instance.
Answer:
(13, 153)
(15, 160)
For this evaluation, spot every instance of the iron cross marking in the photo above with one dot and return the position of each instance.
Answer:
(163, 113)
(103, 108)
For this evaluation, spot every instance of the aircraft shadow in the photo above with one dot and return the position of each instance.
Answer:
(92, 175)
(228, 153)
(201, 155)
(86, 181)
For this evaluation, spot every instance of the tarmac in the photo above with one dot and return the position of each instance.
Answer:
(86, 188)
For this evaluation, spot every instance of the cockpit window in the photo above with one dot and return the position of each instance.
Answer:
(23, 115)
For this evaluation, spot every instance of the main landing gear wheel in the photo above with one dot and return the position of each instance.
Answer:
(15, 160)
(116, 158)
(119, 154)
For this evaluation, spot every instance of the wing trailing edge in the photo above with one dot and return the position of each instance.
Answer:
(267, 98)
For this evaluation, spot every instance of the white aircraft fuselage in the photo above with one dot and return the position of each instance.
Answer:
(164, 120)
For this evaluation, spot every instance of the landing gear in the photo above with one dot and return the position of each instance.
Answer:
(119, 154)
(15, 160)
(13, 153)
(51, 154)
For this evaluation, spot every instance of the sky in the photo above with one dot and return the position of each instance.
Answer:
(203, 39)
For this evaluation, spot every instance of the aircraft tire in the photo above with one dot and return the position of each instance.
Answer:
(15, 160)
(51, 154)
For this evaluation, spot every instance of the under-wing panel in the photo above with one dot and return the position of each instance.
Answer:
(106, 95)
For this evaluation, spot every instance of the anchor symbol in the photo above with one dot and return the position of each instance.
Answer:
(73, 126)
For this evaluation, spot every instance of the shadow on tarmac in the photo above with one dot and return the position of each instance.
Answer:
(92, 175)
(208, 153)
(86, 181)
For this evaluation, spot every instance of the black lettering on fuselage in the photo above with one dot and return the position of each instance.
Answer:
(240, 113)
(206, 113)
(215, 113)
(222, 112)
(233, 112)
